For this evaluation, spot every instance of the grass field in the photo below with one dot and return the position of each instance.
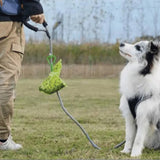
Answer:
(73, 71)
(46, 132)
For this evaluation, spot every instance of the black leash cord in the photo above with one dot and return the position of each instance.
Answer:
(76, 122)
(119, 145)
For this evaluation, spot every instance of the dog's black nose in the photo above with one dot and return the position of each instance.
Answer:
(122, 45)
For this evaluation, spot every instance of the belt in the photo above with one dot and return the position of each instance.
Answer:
(4, 18)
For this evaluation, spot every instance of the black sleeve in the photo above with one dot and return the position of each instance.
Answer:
(32, 7)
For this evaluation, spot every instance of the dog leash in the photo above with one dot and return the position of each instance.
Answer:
(51, 60)
(120, 144)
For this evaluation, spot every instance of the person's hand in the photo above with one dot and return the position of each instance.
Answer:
(39, 18)
(1, 3)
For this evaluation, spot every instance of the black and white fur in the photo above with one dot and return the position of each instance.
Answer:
(141, 78)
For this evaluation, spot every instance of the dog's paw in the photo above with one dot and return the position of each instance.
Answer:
(136, 151)
(126, 151)
(135, 154)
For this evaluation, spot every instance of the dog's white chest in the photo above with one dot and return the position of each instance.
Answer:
(130, 81)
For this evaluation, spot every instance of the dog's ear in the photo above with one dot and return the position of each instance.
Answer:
(153, 46)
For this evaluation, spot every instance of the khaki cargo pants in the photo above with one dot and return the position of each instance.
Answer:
(11, 54)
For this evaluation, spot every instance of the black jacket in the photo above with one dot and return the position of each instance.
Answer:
(30, 7)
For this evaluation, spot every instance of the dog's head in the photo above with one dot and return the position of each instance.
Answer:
(143, 52)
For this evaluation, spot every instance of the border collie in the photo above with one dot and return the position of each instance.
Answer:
(140, 96)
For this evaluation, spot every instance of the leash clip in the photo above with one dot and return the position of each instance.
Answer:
(51, 59)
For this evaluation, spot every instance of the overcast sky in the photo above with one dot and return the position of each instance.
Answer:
(101, 20)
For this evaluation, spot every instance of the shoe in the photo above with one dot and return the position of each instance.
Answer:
(10, 145)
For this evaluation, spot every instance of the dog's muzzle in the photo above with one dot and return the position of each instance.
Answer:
(123, 53)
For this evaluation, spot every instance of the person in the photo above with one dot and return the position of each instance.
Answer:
(12, 44)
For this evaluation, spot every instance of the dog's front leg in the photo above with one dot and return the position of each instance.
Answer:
(142, 130)
(130, 125)
(130, 134)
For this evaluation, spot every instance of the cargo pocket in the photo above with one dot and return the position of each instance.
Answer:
(5, 29)
(17, 48)
(17, 54)
(16, 57)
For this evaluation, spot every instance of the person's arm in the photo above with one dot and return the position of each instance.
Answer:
(39, 18)
(35, 10)
(1, 2)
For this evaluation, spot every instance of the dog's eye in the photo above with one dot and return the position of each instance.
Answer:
(138, 48)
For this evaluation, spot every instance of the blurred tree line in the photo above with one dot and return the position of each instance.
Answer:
(88, 53)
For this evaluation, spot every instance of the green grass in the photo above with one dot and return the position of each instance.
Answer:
(46, 132)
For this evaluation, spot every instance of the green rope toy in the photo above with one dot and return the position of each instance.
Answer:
(53, 83)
